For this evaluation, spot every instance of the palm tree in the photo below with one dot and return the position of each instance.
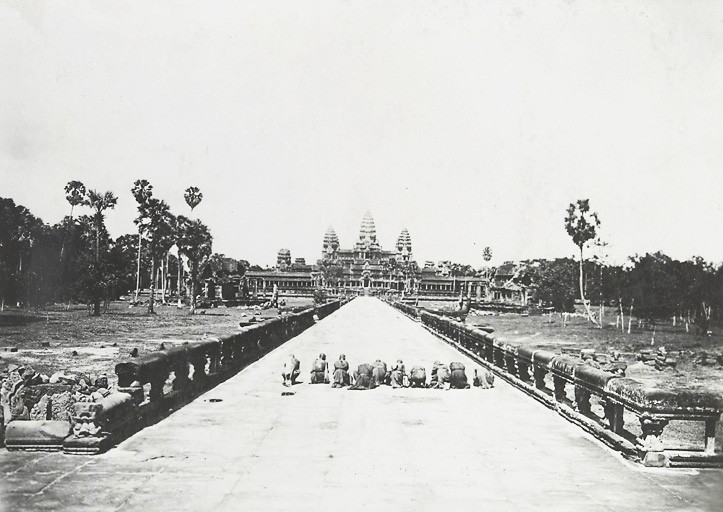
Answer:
(99, 202)
(487, 256)
(193, 197)
(581, 224)
(179, 228)
(158, 231)
(142, 191)
(74, 194)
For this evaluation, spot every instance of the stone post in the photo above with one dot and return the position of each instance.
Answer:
(582, 400)
(559, 384)
(651, 444)
(710, 425)
(539, 374)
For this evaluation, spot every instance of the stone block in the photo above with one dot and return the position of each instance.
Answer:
(45, 435)
(97, 425)
(655, 459)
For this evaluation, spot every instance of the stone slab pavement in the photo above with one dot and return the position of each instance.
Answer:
(384, 449)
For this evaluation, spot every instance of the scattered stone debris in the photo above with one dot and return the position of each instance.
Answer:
(134, 352)
(607, 362)
(664, 360)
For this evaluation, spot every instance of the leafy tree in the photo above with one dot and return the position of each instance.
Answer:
(553, 283)
(581, 224)
(19, 230)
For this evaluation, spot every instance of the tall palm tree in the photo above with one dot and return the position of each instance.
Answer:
(581, 224)
(74, 194)
(142, 192)
(99, 203)
(179, 229)
(160, 239)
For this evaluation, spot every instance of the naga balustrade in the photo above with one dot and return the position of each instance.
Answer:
(530, 369)
(152, 385)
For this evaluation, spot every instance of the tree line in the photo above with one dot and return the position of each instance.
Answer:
(76, 260)
(651, 286)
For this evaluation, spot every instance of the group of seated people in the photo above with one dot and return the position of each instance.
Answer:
(369, 376)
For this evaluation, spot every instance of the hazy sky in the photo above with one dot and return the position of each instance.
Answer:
(470, 123)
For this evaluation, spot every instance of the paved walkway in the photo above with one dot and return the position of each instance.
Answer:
(326, 449)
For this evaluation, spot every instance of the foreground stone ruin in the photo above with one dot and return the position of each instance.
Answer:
(575, 383)
(78, 417)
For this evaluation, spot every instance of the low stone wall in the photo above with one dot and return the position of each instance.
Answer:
(149, 388)
(574, 383)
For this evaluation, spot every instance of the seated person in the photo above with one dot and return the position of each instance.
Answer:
(484, 379)
(380, 372)
(341, 373)
(440, 376)
(457, 378)
(320, 371)
(291, 370)
(364, 377)
(398, 374)
(418, 377)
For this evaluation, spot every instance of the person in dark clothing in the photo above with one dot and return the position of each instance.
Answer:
(418, 377)
(364, 377)
(380, 372)
(341, 373)
(440, 376)
(458, 377)
(398, 374)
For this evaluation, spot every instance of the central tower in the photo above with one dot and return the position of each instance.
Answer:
(367, 235)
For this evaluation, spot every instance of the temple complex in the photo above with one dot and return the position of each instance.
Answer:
(365, 267)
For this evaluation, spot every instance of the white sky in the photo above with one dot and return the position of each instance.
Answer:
(470, 123)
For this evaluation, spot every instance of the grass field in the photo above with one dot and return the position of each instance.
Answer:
(70, 340)
(537, 331)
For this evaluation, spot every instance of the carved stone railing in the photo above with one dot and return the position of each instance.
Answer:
(151, 386)
(567, 384)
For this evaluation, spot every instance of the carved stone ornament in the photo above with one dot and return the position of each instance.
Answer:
(87, 419)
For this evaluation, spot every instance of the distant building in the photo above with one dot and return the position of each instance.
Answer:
(365, 266)
(283, 259)
(507, 285)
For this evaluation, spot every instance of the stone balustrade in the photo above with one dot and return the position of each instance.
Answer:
(151, 386)
(533, 369)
